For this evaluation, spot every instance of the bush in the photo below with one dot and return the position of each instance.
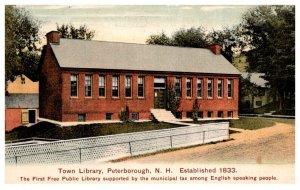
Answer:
(285, 112)
(124, 114)
(195, 110)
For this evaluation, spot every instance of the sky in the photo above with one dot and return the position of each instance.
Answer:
(134, 24)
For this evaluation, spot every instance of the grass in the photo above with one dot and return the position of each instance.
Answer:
(49, 130)
(258, 123)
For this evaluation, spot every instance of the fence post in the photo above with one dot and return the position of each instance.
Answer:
(203, 137)
(16, 158)
(80, 155)
(171, 141)
(130, 148)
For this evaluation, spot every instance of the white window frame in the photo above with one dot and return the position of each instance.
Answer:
(104, 86)
(200, 81)
(76, 75)
(85, 85)
(220, 89)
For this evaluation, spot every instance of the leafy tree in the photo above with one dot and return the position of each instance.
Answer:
(21, 39)
(195, 110)
(247, 88)
(192, 37)
(270, 35)
(71, 32)
(173, 102)
(229, 39)
(159, 39)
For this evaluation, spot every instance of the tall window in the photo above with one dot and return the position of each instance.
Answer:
(88, 85)
(115, 86)
(188, 87)
(199, 87)
(128, 86)
(178, 87)
(74, 82)
(209, 88)
(220, 88)
(101, 85)
(141, 81)
(229, 88)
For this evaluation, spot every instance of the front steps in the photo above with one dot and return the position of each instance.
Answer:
(163, 115)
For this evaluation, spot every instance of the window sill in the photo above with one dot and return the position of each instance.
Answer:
(141, 98)
(115, 98)
(128, 98)
(102, 97)
(88, 97)
(74, 97)
(210, 98)
(220, 98)
(200, 98)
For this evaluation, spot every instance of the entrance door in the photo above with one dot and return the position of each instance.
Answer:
(160, 92)
(32, 115)
(160, 98)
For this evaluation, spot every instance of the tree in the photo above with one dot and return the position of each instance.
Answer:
(229, 39)
(173, 102)
(195, 110)
(69, 31)
(21, 40)
(270, 34)
(247, 88)
(159, 39)
(192, 37)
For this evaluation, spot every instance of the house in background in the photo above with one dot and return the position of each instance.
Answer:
(21, 102)
(263, 94)
(94, 80)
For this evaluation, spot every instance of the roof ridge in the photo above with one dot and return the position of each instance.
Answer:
(132, 43)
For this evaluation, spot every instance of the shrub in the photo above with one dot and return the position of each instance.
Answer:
(124, 114)
(195, 110)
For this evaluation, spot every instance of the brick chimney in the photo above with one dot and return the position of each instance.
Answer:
(53, 37)
(215, 48)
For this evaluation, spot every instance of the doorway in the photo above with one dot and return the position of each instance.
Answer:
(160, 93)
(32, 116)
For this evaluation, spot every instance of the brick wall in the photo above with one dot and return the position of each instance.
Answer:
(96, 107)
(13, 117)
(50, 86)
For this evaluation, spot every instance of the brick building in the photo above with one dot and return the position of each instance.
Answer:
(21, 103)
(94, 80)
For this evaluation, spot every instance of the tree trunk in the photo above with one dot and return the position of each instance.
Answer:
(281, 100)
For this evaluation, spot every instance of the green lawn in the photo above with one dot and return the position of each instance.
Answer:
(48, 130)
(258, 123)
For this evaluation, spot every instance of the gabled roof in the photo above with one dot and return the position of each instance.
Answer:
(22, 101)
(72, 53)
(256, 78)
(23, 85)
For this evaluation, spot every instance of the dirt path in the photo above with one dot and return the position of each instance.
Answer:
(268, 145)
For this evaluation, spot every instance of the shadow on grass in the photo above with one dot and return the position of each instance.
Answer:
(53, 131)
